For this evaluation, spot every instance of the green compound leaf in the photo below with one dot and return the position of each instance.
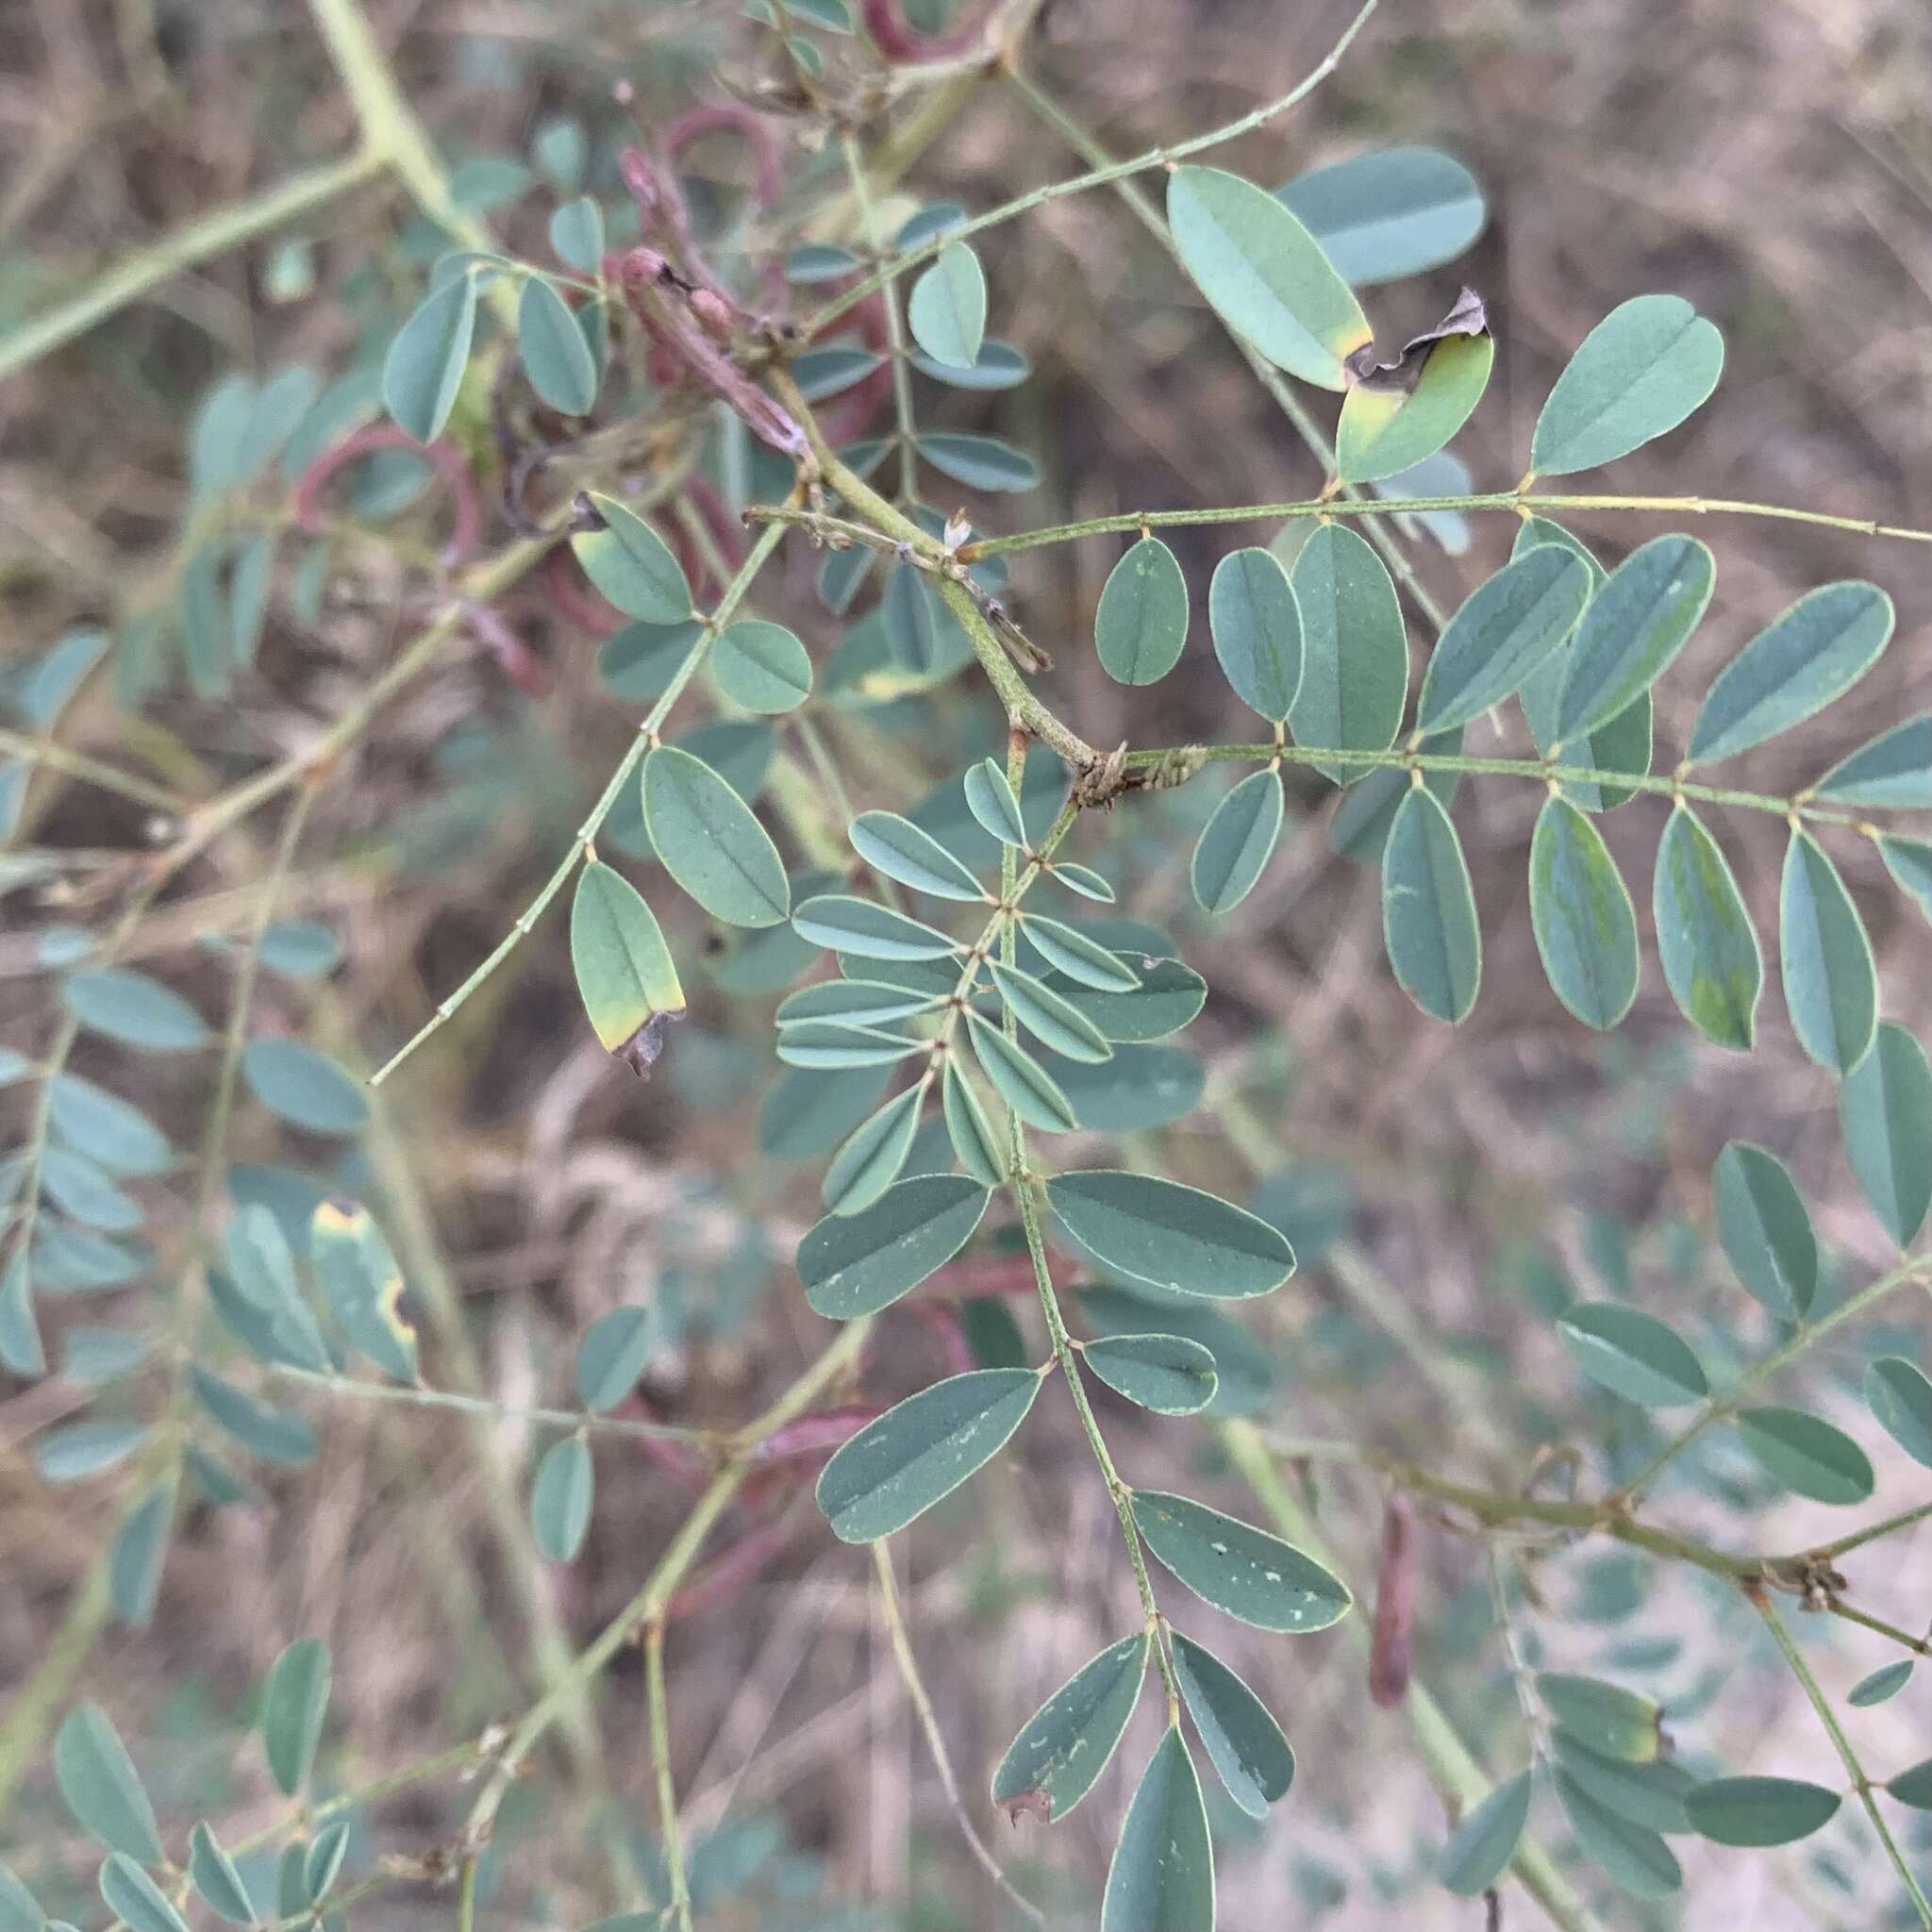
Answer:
(1150, 1229)
(1065, 1745)
(262, 1268)
(1243, 1743)
(1355, 652)
(1257, 631)
(1766, 1230)
(556, 356)
(423, 369)
(1580, 910)
(900, 850)
(83, 1192)
(276, 1435)
(1910, 862)
(293, 1705)
(136, 1899)
(1633, 1354)
(1898, 1393)
(869, 1160)
(999, 366)
(920, 631)
(20, 1911)
(76, 1451)
(213, 1876)
(1082, 879)
(1238, 842)
(762, 666)
(102, 1788)
(1167, 1374)
(128, 1006)
(1830, 977)
(947, 307)
(1264, 274)
(1914, 1787)
(1507, 626)
(632, 566)
(846, 1046)
(1058, 1025)
(1636, 376)
(869, 931)
(1251, 1575)
(1704, 935)
(1880, 1686)
(1019, 1079)
(112, 1132)
(1894, 770)
(991, 800)
(853, 1003)
(1758, 1811)
(1389, 214)
(1610, 1719)
(1885, 1108)
(1429, 925)
(1386, 429)
(980, 462)
(856, 1264)
(139, 1552)
(897, 1467)
(363, 1284)
(611, 1355)
(1085, 960)
(1792, 669)
(306, 1087)
(560, 1497)
(974, 1143)
(1634, 1858)
(624, 971)
(1162, 1878)
(1141, 622)
(324, 1860)
(709, 841)
(1808, 1455)
(1636, 624)
(1484, 1842)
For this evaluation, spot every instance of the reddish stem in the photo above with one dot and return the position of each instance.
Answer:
(898, 40)
(768, 168)
(1391, 1649)
(441, 456)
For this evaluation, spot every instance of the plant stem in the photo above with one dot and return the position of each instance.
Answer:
(661, 1758)
(1098, 177)
(196, 241)
(646, 736)
(1920, 1645)
(74, 764)
(1848, 1757)
(896, 326)
(928, 1721)
(1523, 502)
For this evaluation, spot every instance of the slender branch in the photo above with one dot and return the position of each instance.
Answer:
(1848, 1757)
(76, 764)
(196, 241)
(921, 1705)
(1097, 177)
(1903, 1519)
(896, 326)
(1920, 1646)
(646, 736)
(660, 1760)
(1523, 502)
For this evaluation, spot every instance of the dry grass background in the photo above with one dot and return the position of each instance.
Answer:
(1772, 161)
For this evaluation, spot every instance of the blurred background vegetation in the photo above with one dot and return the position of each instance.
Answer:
(1448, 1190)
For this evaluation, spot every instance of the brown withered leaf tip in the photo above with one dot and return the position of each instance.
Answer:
(1468, 317)
(1033, 1803)
(640, 1052)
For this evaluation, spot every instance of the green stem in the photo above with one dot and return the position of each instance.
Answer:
(1920, 1646)
(896, 326)
(1912, 1269)
(646, 736)
(1098, 177)
(661, 1758)
(1903, 1519)
(196, 241)
(1848, 1757)
(1451, 1765)
(1523, 502)
(74, 764)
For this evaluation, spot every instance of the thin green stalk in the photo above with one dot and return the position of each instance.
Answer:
(1523, 502)
(1451, 1764)
(1920, 1646)
(896, 326)
(1661, 784)
(929, 1721)
(1912, 1269)
(1098, 177)
(646, 736)
(1903, 1519)
(196, 241)
(661, 1758)
(1848, 1757)
(74, 764)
